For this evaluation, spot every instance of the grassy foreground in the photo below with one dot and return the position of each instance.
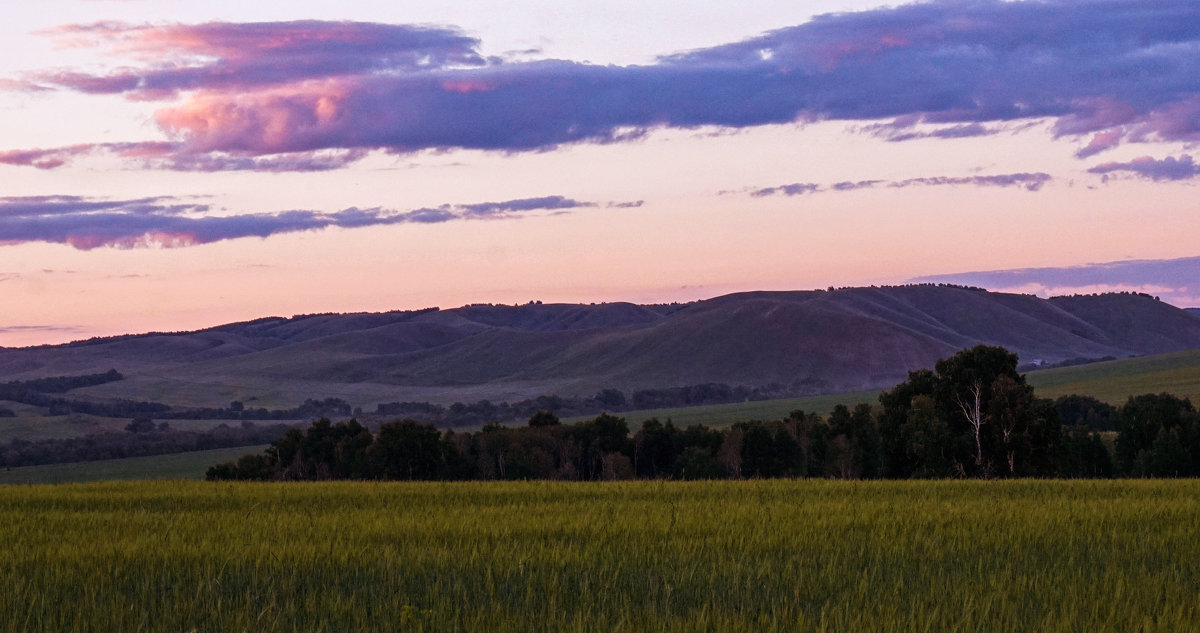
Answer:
(647, 556)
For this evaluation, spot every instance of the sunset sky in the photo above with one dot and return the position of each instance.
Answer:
(172, 166)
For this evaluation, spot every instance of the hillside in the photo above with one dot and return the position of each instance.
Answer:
(809, 341)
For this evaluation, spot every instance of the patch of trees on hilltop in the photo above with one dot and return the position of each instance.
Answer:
(18, 390)
(45, 392)
(973, 415)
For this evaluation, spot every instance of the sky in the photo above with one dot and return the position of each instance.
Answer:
(168, 166)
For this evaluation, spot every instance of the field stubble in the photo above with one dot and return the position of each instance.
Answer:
(642, 556)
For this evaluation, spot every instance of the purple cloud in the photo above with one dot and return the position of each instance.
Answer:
(86, 223)
(1114, 70)
(505, 209)
(1169, 168)
(794, 189)
(847, 185)
(177, 157)
(1031, 182)
(905, 129)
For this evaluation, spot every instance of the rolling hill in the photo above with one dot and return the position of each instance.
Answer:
(809, 341)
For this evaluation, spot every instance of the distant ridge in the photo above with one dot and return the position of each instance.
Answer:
(820, 341)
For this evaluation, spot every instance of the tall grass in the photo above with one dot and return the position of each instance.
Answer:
(643, 556)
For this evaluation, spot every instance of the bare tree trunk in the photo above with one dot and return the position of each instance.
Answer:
(973, 410)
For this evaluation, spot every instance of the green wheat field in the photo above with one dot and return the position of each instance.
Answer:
(1080, 556)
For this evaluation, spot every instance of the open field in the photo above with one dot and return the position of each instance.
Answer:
(1041, 556)
(1115, 381)
(191, 465)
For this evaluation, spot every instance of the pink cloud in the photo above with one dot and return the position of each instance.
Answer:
(56, 157)
(1101, 141)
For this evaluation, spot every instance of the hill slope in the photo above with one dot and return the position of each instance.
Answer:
(812, 342)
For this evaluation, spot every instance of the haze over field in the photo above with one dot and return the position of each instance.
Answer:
(173, 167)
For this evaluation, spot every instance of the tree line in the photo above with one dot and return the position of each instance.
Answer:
(972, 415)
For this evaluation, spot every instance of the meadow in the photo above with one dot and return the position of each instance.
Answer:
(780, 555)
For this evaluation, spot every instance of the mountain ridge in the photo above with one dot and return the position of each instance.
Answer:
(816, 341)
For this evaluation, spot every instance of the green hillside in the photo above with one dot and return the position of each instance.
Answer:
(1114, 381)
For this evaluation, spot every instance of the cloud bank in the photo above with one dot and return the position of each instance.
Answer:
(1176, 281)
(168, 222)
(1105, 72)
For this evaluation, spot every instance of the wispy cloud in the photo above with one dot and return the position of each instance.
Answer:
(87, 223)
(176, 157)
(1030, 182)
(1169, 168)
(10, 329)
(1103, 72)
(1174, 280)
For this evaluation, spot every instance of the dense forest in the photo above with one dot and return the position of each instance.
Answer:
(973, 415)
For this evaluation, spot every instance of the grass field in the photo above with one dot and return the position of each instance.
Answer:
(1046, 556)
(190, 465)
(1115, 381)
